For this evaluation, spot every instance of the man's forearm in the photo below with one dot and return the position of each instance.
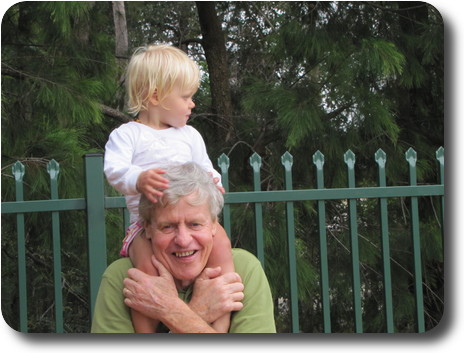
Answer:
(181, 319)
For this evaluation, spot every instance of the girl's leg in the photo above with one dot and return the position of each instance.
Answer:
(140, 253)
(221, 255)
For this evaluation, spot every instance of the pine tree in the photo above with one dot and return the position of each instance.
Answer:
(57, 70)
(304, 76)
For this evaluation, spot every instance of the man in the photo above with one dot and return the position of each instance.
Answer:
(186, 296)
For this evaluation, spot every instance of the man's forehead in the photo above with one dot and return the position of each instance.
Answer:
(180, 212)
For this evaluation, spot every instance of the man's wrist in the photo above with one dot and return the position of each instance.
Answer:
(182, 319)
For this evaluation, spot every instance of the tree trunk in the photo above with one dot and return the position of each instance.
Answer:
(216, 56)
(120, 29)
(121, 45)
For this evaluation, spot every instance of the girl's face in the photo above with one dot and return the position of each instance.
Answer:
(176, 107)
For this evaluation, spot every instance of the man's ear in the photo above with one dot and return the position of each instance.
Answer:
(147, 233)
(214, 227)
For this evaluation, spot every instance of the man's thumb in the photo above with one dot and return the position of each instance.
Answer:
(162, 271)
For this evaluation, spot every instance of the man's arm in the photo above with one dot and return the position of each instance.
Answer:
(157, 298)
(257, 315)
(215, 295)
(181, 319)
(111, 315)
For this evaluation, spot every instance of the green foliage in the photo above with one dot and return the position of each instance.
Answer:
(305, 76)
(56, 72)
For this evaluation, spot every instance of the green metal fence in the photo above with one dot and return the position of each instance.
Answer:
(96, 203)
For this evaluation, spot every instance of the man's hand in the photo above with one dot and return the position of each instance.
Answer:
(157, 298)
(215, 295)
(151, 183)
(154, 296)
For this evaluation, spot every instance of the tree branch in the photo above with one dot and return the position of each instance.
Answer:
(115, 114)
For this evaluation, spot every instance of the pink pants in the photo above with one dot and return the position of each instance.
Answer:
(132, 231)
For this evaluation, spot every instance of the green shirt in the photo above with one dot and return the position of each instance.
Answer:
(257, 315)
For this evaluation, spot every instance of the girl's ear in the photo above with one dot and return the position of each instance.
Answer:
(154, 98)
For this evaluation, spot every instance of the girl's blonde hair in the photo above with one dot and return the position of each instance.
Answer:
(158, 68)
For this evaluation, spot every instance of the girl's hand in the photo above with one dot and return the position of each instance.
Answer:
(220, 188)
(151, 183)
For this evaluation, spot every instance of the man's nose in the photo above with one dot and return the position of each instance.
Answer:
(183, 236)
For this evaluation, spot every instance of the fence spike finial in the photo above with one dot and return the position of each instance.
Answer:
(287, 160)
(223, 162)
(350, 159)
(411, 156)
(53, 168)
(440, 154)
(318, 159)
(381, 158)
(255, 161)
(18, 170)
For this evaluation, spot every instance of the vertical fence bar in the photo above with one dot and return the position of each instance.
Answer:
(126, 217)
(95, 200)
(18, 173)
(223, 164)
(287, 162)
(411, 157)
(381, 159)
(53, 169)
(255, 162)
(318, 160)
(350, 161)
(440, 154)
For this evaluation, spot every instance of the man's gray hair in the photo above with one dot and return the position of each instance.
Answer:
(184, 180)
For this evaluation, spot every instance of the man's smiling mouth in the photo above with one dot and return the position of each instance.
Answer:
(184, 254)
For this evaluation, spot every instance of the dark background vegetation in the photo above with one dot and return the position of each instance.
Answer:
(278, 76)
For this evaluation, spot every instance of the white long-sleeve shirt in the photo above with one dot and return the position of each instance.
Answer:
(134, 147)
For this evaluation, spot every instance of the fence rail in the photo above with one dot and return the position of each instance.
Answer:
(96, 203)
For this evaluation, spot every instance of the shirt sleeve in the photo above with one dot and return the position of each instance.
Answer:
(257, 314)
(118, 167)
(200, 154)
(111, 315)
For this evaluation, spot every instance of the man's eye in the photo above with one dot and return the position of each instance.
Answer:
(196, 226)
(167, 229)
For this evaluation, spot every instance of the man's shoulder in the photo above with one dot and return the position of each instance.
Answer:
(244, 260)
(118, 269)
(239, 253)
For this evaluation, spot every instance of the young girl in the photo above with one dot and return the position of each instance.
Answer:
(161, 81)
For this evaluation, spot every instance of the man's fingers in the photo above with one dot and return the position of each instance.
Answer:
(135, 274)
(238, 296)
(232, 277)
(210, 273)
(236, 287)
(163, 272)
